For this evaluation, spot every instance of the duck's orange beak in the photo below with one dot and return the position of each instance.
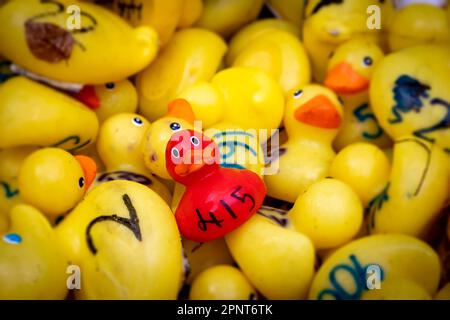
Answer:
(88, 96)
(89, 168)
(319, 112)
(180, 108)
(345, 80)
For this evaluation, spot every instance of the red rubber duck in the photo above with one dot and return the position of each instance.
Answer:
(217, 200)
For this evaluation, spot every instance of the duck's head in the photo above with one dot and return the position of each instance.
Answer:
(418, 22)
(109, 99)
(334, 21)
(351, 66)
(191, 155)
(54, 181)
(119, 140)
(32, 262)
(313, 112)
(179, 117)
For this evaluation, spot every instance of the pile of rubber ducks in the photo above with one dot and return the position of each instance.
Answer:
(225, 149)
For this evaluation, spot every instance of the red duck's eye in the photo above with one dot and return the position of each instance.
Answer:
(175, 153)
(195, 141)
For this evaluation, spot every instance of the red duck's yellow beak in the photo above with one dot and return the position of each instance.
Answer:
(344, 79)
(319, 112)
(89, 168)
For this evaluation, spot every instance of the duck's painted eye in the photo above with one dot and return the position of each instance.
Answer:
(137, 121)
(12, 238)
(368, 61)
(175, 126)
(298, 94)
(81, 182)
(195, 141)
(110, 85)
(175, 153)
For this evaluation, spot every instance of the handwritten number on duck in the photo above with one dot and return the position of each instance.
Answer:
(227, 141)
(443, 124)
(76, 140)
(362, 115)
(228, 208)
(124, 175)
(9, 193)
(243, 198)
(131, 223)
(202, 222)
(275, 214)
(358, 274)
(410, 95)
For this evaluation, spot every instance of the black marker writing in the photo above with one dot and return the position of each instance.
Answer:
(242, 198)
(202, 223)
(132, 223)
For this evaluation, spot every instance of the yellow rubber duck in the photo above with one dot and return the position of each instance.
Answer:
(418, 183)
(280, 54)
(242, 96)
(54, 181)
(110, 98)
(409, 93)
(328, 24)
(63, 40)
(119, 147)
(329, 212)
(125, 240)
(179, 117)
(253, 100)
(32, 114)
(369, 262)
(364, 167)
(312, 119)
(278, 262)
(10, 162)
(192, 56)
(32, 264)
(227, 16)
(163, 16)
(207, 102)
(253, 30)
(418, 23)
(349, 72)
(222, 282)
